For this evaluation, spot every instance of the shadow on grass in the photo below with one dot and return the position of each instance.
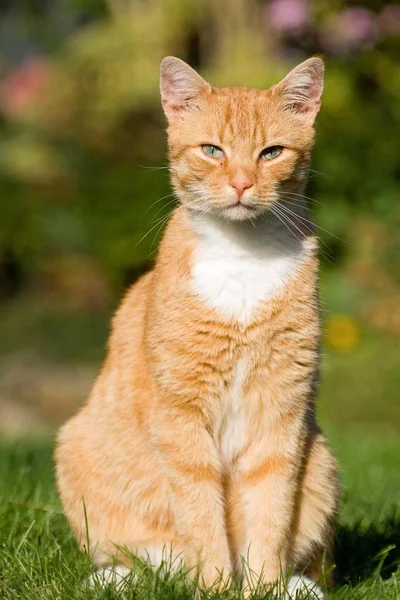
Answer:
(363, 551)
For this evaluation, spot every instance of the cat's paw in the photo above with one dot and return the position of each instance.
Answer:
(112, 575)
(302, 588)
(214, 578)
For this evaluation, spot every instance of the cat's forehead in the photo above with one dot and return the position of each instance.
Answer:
(240, 114)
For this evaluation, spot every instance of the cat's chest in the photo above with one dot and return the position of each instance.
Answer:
(233, 273)
(233, 430)
(235, 268)
(235, 286)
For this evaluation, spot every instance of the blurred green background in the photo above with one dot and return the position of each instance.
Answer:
(84, 186)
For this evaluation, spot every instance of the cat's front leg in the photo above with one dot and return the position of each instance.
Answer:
(268, 475)
(189, 456)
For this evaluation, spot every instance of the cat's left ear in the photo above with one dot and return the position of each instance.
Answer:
(301, 89)
(180, 87)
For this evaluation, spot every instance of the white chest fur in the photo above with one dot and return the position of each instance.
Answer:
(232, 435)
(239, 264)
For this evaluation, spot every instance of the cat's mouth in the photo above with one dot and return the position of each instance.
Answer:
(240, 209)
(240, 203)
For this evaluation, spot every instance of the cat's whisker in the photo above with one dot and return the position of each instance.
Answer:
(152, 168)
(298, 205)
(152, 229)
(252, 222)
(187, 204)
(320, 173)
(309, 225)
(282, 220)
(165, 206)
(291, 223)
(300, 196)
(161, 221)
(160, 218)
(313, 224)
(157, 234)
(324, 254)
(157, 201)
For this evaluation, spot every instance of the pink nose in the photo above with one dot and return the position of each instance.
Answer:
(240, 185)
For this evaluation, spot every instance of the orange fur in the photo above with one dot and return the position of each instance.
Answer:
(200, 432)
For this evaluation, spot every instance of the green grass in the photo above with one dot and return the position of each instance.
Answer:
(39, 558)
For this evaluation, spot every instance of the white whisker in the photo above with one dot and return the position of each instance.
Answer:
(164, 217)
(297, 204)
(281, 219)
(152, 168)
(320, 173)
(312, 223)
(310, 230)
(297, 195)
(290, 221)
(156, 202)
(157, 233)
(165, 206)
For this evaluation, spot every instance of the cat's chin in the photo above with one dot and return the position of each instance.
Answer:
(238, 213)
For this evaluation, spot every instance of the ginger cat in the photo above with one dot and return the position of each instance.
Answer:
(200, 435)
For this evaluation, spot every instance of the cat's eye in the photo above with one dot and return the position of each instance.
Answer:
(212, 151)
(271, 152)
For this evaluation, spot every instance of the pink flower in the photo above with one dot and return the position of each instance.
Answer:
(389, 20)
(23, 86)
(288, 16)
(352, 29)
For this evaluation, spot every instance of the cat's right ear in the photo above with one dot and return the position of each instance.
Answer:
(180, 87)
(301, 89)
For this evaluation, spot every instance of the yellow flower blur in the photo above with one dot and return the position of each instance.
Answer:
(343, 333)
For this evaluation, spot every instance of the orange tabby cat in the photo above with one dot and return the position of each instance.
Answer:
(199, 435)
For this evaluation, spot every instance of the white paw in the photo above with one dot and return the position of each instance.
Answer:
(303, 588)
(115, 576)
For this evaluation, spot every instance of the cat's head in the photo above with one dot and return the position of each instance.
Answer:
(235, 151)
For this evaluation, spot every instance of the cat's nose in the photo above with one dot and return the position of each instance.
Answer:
(240, 184)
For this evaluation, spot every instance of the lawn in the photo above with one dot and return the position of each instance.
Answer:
(39, 558)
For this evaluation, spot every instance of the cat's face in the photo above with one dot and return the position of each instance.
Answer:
(234, 151)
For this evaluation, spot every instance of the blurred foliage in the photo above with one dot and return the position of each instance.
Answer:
(83, 182)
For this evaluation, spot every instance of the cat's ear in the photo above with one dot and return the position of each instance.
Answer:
(301, 89)
(180, 86)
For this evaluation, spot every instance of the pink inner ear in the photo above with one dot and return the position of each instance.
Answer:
(314, 93)
(304, 98)
(174, 99)
(169, 96)
(313, 104)
(302, 88)
(180, 86)
(167, 104)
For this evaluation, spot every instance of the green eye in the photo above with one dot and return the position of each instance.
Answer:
(271, 152)
(212, 151)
